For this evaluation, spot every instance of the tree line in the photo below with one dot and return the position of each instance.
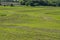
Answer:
(40, 2)
(36, 2)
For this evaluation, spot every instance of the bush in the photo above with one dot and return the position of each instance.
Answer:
(22, 3)
(0, 4)
(4, 5)
(11, 5)
(32, 4)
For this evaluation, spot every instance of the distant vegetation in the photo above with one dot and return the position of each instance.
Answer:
(41, 2)
(35, 2)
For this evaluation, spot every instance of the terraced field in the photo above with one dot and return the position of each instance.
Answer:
(29, 23)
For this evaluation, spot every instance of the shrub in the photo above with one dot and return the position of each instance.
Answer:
(11, 5)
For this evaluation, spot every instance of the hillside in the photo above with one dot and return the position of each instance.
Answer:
(29, 23)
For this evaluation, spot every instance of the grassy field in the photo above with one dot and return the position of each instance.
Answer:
(29, 23)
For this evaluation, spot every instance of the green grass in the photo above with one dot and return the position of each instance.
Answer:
(29, 23)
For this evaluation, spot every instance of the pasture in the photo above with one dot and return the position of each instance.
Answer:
(29, 23)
